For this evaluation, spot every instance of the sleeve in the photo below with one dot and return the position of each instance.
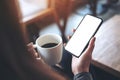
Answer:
(83, 76)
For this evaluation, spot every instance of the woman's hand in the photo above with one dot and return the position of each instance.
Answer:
(33, 52)
(82, 63)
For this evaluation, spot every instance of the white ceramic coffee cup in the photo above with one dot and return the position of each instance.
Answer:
(51, 55)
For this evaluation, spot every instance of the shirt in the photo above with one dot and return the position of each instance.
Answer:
(83, 76)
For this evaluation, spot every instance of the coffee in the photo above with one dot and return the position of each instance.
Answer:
(48, 45)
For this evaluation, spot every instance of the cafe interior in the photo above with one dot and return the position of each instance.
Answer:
(33, 18)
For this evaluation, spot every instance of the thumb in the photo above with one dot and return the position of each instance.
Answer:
(90, 48)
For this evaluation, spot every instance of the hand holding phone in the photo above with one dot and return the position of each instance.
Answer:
(84, 32)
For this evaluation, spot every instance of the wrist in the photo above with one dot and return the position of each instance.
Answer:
(83, 76)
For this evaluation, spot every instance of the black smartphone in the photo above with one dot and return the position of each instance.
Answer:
(87, 28)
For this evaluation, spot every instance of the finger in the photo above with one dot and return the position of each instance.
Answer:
(73, 30)
(32, 50)
(91, 45)
(29, 45)
(69, 37)
(40, 59)
(90, 48)
(92, 41)
(64, 44)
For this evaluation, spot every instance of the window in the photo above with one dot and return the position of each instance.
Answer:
(29, 7)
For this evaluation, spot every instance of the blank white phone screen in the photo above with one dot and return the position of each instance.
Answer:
(82, 35)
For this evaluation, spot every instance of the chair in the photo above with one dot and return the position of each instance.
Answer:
(67, 7)
(34, 10)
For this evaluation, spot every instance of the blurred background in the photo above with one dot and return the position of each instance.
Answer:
(37, 17)
(62, 16)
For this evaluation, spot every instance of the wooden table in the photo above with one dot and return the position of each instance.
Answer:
(106, 54)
